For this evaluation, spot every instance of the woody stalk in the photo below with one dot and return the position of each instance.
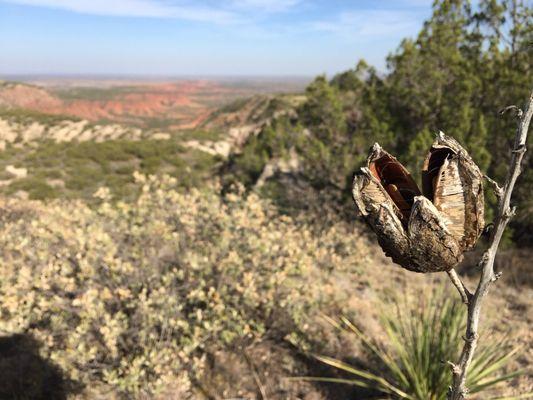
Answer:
(458, 390)
(428, 230)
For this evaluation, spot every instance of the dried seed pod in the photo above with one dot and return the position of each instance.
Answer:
(422, 233)
(395, 179)
(433, 247)
(375, 205)
(454, 183)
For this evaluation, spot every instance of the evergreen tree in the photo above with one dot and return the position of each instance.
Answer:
(322, 112)
(467, 62)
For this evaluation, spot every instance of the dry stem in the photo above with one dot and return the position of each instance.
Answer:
(458, 390)
(461, 288)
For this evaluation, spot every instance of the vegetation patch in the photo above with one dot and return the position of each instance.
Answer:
(84, 167)
(24, 116)
(136, 296)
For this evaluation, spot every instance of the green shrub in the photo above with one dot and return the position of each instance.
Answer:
(24, 115)
(200, 134)
(88, 165)
(150, 165)
(124, 170)
(412, 363)
(37, 188)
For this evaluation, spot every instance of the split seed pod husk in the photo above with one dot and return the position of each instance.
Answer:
(454, 183)
(424, 231)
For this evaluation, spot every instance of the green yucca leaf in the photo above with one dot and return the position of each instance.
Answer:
(489, 362)
(391, 364)
(418, 344)
(353, 382)
(475, 388)
(380, 353)
(384, 386)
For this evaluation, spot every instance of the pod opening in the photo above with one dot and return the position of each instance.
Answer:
(431, 170)
(397, 181)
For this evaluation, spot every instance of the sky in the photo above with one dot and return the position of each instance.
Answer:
(202, 37)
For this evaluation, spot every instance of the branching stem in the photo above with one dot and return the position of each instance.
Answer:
(498, 191)
(458, 390)
(461, 288)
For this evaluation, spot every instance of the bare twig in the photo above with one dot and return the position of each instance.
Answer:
(512, 107)
(458, 390)
(498, 190)
(452, 366)
(461, 288)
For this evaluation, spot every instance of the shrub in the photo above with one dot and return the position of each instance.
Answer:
(132, 295)
(85, 166)
(37, 188)
(412, 363)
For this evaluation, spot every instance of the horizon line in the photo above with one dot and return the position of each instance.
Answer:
(104, 76)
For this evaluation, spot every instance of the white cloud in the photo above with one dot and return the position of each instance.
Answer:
(226, 11)
(138, 8)
(418, 3)
(266, 5)
(370, 23)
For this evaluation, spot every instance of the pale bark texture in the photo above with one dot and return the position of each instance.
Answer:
(458, 390)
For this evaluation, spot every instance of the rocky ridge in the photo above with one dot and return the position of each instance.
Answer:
(30, 130)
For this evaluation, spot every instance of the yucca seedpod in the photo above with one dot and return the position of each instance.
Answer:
(375, 204)
(454, 183)
(422, 233)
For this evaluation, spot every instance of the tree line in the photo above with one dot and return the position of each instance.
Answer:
(467, 63)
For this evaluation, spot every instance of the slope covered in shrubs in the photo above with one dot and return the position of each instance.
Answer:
(190, 296)
(132, 295)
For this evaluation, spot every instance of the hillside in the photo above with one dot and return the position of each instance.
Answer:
(47, 156)
(183, 104)
(194, 296)
(22, 127)
(30, 97)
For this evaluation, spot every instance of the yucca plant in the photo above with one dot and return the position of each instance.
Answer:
(412, 364)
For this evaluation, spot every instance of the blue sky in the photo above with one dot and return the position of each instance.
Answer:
(202, 37)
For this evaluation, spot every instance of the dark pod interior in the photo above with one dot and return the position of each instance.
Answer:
(397, 181)
(431, 168)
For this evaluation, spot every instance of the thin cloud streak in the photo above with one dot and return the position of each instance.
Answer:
(265, 5)
(221, 12)
(370, 23)
(137, 8)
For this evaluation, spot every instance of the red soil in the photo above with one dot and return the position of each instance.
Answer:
(188, 101)
(29, 97)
